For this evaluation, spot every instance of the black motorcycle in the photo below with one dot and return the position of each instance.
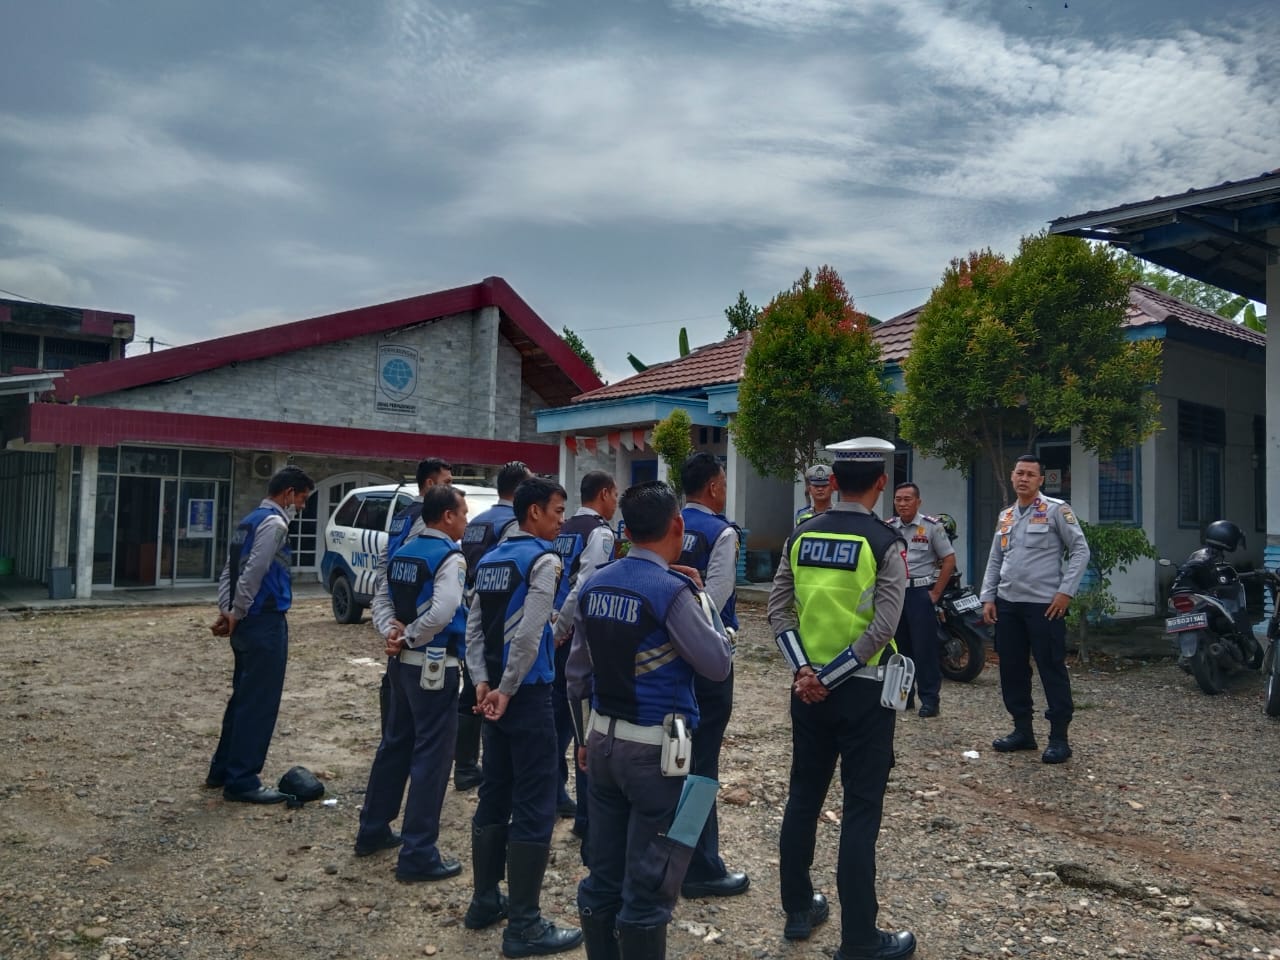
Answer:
(962, 634)
(1213, 633)
(1271, 662)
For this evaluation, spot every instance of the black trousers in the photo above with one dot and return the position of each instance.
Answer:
(520, 770)
(416, 747)
(635, 871)
(917, 637)
(851, 726)
(261, 648)
(565, 735)
(1022, 632)
(715, 706)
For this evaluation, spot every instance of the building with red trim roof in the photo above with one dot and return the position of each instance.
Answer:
(104, 461)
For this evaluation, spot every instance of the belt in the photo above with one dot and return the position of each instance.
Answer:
(625, 730)
(921, 581)
(414, 658)
(875, 673)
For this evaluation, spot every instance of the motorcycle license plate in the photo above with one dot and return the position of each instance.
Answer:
(965, 604)
(1188, 621)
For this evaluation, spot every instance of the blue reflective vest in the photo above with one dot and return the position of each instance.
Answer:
(482, 535)
(401, 524)
(276, 591)
(411, 581)
(501, 586)
(572, 540)
(701, 530)
(638, 676)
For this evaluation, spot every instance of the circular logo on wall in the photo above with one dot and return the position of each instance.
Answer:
(398, 372)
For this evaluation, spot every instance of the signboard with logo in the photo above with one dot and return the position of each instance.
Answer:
(199, 519)
(1053, 482)
(397, 380)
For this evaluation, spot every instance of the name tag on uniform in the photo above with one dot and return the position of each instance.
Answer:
(1043, 528)
(826, 552)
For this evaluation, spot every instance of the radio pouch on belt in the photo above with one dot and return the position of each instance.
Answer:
(432, 669)
(677, 746)
(899, 675)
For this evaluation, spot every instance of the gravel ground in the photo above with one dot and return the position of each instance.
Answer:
(1159, 839)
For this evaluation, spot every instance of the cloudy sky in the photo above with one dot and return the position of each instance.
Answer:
(627, 165)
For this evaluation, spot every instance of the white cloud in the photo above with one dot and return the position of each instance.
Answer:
(303, 255)
(37, 279)
(70, 240)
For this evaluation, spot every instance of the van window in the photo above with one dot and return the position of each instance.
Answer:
(373, 512)
(346, 515)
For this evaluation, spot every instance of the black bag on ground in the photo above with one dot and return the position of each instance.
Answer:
(301, 783)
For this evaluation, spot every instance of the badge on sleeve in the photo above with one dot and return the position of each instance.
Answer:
(1067, 515)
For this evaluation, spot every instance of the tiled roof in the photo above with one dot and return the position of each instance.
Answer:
(707, 366)
(1147, 307)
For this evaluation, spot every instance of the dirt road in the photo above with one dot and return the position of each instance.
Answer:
(1161, 838)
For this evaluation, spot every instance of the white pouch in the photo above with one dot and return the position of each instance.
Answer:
(432, 669)
(899, 675)
(677, 746)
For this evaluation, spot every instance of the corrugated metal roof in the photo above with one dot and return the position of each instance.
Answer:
(707, 366)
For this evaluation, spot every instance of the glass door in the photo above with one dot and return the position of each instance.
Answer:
(196, 529)
(168, 527)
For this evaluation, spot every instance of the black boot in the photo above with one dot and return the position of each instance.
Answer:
(466, 753)
(642, 943)
(527, 933)
(488, 863)
(1022, 737)
(599, 934)
(1059, 750)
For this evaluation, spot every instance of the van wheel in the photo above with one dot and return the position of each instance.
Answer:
(343, 601)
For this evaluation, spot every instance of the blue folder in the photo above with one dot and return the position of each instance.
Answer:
(696, 801)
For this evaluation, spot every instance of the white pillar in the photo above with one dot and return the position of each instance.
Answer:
(734, 477)
(1273, 403)
(568, 468)
(88, 522)
(621, 475)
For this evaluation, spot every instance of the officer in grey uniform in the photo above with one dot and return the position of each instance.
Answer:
(836, 599)
(930, 562)
(817, 487)
(1025, 593)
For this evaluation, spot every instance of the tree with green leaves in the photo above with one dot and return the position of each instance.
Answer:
(1112, 547)
(577, 346)
(673, 442)
(1224, 303)
(813, 376)
(1012, 349)
(743, 315)
(682, 344)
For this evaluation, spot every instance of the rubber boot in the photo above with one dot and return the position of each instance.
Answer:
(1022, 738)
(488, 863)
(642, 943)
(528, 934)
(1059, 750)
(466, 753)
(599, 934)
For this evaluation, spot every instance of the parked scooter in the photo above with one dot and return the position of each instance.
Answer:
(1211, 625)
(962, 634)
(1271, 662)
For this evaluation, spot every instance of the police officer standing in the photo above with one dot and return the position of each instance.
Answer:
(640, 637)
(254, 593)
(1025, 593)
(930, 562)
(833, 640)
(586, 541)
(711, 548)
(484, 532)
(430, 471)
(817, 487)
(422, 618)
(510, 656)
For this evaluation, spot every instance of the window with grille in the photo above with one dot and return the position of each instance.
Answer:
(1118, 487)
(63, 354)
(19, 350)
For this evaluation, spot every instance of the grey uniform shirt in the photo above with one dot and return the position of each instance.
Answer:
(446, 596)
(721, 578)
(891, 590)
(927, 544)
(598, 549)
(693, 638)
(525, 637)
(1025, 565)
(268, 541)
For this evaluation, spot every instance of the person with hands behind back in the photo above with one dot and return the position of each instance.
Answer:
(510, 655)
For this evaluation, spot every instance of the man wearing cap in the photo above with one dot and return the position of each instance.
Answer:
(1025, 593)
(817, 487)
(930, 562)
(833, 642)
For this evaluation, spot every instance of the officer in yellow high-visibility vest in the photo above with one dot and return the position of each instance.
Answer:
(836, 600)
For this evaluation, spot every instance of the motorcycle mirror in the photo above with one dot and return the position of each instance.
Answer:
(1165, 562)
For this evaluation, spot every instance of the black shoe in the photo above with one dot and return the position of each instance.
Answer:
(540, 938)
(1058, 751)
(261, 795)
(566, 808)
(443, 871)
(730, 885)
(388, 841)
(929, 710)
(214, 783)
(888, 946)
(467, 779)
(1019, 739)
(800, 923)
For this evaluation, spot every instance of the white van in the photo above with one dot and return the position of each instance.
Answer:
(357, 533)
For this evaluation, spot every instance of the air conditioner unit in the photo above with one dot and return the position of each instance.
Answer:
(263, 466)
